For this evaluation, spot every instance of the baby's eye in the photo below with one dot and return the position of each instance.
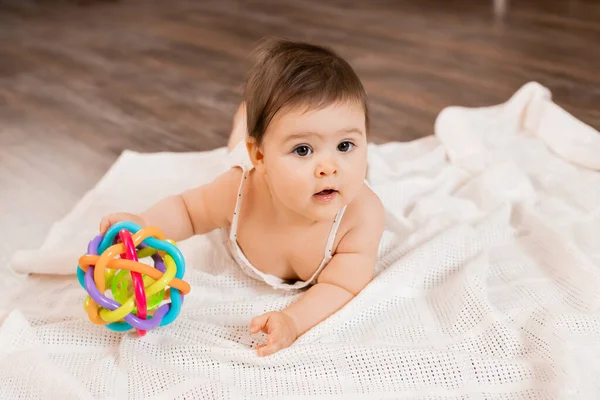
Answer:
(345, 146)
(302, 150)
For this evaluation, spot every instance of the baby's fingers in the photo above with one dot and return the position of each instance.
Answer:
(275, 342)
(104, 225)
(260, 323)
(112, 219)
(271, 347)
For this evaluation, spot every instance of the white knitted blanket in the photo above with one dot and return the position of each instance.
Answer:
(488, 284)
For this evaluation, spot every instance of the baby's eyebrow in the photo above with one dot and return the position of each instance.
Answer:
(351, 130)
(301, 135)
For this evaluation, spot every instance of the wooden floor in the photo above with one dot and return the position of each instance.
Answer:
(82, 80)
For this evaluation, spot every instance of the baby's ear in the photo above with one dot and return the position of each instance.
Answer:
(254, 151)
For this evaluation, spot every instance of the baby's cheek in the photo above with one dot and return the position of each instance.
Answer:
(289, 185)
(295, 176)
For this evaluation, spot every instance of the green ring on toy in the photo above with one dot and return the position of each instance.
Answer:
(122, 289)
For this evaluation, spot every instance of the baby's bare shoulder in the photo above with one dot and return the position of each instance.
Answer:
(366, 209)
(229, 180)
(365, 223)
(225, 190)
(214, 201)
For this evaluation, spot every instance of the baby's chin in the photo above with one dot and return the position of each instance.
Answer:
(324, 212)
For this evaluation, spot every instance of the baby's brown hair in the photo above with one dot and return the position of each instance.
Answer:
(293, 73)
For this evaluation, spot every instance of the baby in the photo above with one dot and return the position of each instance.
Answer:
(295, 207)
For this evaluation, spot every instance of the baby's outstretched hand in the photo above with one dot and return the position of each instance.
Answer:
(280, 329)
(111, 219)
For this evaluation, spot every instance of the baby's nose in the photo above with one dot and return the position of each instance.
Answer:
(325, 169)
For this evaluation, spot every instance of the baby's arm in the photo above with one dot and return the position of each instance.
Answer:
(193, 212)
(348, 272)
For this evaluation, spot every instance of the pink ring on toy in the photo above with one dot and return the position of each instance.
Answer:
(136, 277)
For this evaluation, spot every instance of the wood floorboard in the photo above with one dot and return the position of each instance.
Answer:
(81, 81)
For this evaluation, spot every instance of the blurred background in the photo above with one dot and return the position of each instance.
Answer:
(80, 81)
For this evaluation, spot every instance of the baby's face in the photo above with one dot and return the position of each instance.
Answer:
(315, 161)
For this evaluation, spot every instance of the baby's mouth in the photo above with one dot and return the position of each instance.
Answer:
(325, 195)
(325, 192)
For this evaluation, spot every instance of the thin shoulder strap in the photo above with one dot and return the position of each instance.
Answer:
(329, 246)
(333, 232)
(238, 204)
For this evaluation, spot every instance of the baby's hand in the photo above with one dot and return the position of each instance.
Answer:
(112, 219)
(279, 327)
